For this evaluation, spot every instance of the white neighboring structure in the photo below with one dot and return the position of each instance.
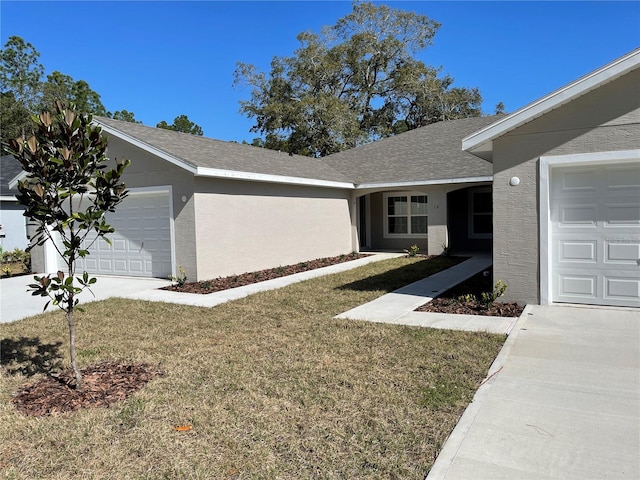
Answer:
(13, 233)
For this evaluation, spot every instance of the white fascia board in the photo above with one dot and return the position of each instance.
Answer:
(445, 181)
(480, 142)
(8, 198)
(13, 183)
(268, 178)
(145, 146)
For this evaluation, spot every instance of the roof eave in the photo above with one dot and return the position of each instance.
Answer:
(269, 178)
(420, 183)
(480, 143)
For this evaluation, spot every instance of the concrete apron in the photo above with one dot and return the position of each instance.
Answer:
(561, 401)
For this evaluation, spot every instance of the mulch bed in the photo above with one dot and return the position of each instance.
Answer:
(446, 305)
(104, 384)
(233, 281)
(449, 301)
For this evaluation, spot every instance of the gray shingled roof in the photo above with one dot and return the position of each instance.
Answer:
(206, 152)
(429, 153)
(9, 169)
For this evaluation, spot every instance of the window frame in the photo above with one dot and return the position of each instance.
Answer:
(408, 216)
(472, 215)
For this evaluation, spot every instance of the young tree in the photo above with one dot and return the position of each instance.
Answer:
(68, 190)
(355, 82)
(182, 124)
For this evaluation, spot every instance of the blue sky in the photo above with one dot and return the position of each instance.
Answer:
(161, 59)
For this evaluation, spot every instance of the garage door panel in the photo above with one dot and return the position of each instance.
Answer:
(623, 178)
(579, 215)
(595, 231)
(622, 252)
(622, 214)
(571, 285)
(577, 251)
(578, 180)
(627, 288)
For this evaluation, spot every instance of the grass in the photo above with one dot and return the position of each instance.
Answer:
(272, 385)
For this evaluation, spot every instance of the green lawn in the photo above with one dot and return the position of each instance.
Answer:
(273, 386)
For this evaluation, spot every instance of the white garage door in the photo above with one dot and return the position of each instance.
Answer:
(595, 234)
(141, 244)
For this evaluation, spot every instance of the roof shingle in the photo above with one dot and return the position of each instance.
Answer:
(429, 153)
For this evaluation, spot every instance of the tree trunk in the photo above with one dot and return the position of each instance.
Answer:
(72, 345)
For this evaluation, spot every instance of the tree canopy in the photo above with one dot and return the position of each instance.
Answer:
(355, 82)
(181, 124)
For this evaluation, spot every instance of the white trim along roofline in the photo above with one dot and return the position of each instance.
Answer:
(480, 143)
(269, 178)
(445, 181)
(8, 198)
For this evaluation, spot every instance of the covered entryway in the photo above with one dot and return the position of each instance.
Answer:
(595, 234)
(141, 244)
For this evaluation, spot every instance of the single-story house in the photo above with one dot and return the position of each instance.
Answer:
(13, 230)
(551, 190)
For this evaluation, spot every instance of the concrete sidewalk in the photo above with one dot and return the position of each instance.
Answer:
(562, 401)
(398, 307)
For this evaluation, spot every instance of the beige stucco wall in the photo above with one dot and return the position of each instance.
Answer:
(606, 119)
(246, 226)
(147, 170)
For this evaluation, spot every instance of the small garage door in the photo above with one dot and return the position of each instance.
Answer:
(141, 244)
(595, 234)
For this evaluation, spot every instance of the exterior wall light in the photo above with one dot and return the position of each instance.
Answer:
(514, 181)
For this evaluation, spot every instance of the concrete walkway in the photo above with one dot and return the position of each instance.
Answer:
(562, 401)
(16, 303)
(398, 307)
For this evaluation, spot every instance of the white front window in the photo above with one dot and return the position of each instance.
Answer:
(406, 215)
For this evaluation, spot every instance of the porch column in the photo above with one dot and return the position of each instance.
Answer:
(353, 213)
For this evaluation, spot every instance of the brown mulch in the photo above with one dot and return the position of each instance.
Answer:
(447, 305)
(104, 384)
(233, 281)
(449, 301)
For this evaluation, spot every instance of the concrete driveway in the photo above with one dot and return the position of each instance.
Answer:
(16, 303)
(563, 402)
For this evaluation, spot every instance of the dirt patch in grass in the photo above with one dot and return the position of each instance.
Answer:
(458, 300)
(233, 281)
(104, 384)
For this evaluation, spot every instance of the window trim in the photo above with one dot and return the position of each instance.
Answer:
(471, 223)
(408, 195)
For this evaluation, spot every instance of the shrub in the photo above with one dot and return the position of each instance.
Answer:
(412, 251)
(489, 298)
(181, 278)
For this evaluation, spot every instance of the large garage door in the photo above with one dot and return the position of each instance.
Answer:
(595, 234)
(141, 244)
